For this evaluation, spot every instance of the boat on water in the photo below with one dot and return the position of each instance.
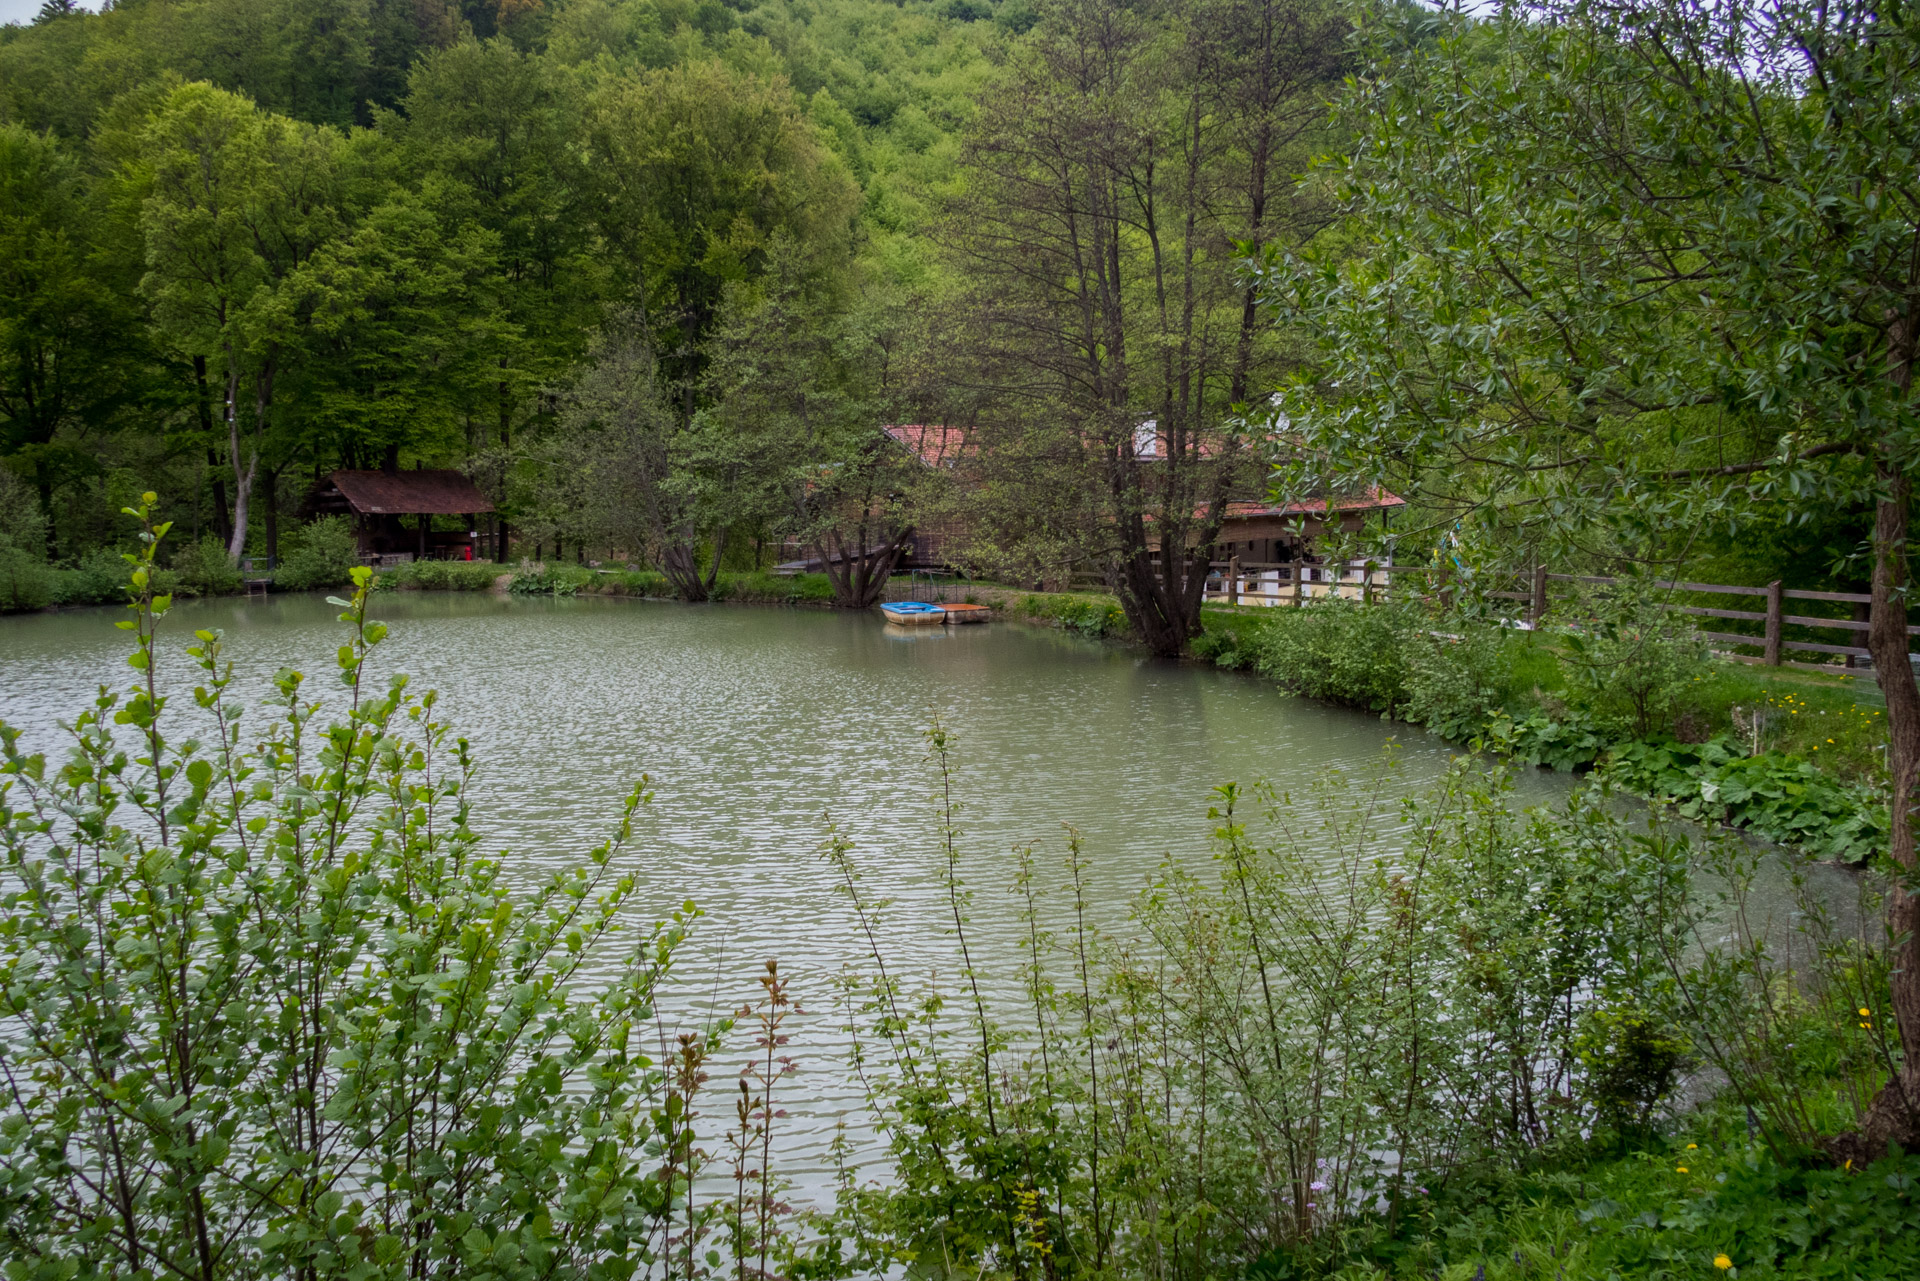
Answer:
(913, 613)
(958, 613)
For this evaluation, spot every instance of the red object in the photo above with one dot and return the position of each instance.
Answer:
(469, 550)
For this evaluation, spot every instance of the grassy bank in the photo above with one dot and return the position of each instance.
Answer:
(1795, 756)
(1704, 1200)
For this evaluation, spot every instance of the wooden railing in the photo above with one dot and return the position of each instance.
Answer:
(1236, 582)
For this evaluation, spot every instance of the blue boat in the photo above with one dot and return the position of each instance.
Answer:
(913, 613)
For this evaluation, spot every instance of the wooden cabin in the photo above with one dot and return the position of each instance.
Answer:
(393, 512)
(1269, 534)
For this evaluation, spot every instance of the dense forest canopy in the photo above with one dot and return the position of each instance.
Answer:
(250, 240)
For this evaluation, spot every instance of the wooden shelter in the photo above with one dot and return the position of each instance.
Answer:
(393, 511)
(1272, 533)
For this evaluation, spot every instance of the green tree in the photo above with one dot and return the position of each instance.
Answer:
(699, 168)
(803, 381)
(1108, 175)
(501, 132)
(71, 352)
(399, 322)
(626, 468)
(1630, 268)
(238, 201)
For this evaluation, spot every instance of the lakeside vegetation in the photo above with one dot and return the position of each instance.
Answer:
(1623, 289)
(1381, 1037)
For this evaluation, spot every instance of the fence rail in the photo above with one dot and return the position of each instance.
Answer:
(1236, 582)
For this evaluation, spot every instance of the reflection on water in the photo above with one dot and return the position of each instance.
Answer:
(757, 725)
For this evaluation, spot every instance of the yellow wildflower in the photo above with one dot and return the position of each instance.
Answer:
(1722, 1262)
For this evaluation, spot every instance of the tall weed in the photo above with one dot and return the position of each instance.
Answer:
(1362, 999)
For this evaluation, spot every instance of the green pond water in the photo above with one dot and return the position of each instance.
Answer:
(757, 723)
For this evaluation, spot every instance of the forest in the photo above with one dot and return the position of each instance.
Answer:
(655, 275)
(1627, 291)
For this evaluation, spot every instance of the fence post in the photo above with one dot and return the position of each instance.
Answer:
(1539, 595)
(1294, 569)
(1366, 583)
(1233, 580)
(1774, 598)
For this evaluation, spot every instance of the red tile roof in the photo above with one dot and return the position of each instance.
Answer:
(409, 493)
(1370, 501)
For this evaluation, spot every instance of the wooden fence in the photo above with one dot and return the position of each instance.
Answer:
(1238, 583)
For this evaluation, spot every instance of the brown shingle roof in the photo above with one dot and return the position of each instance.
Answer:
(409, 493)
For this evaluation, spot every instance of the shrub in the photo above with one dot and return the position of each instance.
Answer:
(1228, 642)
(1774, 794)
(1341, 651)
(1095, 616)
(1632, 663)
(771, 589)
(25, 581)
(97, 578)
(324, 555)
(1458, 678)
(1631, 1063)
(1569, 741)
(540, 579)
(440, 576)
(205, 569)
(287, 1020)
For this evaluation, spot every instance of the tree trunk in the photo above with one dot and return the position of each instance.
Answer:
(1894, 1115)
(243, 477)
(501, 534)
(203, 396)
(680, 562)
(859, 579)
(273, 515)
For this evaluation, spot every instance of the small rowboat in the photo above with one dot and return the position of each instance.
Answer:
(968, 613)
(913, 613)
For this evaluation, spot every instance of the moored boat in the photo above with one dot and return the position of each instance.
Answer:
(913, 613)
(957, 613)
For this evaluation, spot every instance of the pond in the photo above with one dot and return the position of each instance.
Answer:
(756, 724)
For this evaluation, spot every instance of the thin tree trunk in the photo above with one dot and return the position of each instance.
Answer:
(273, 515)
(242, 475)
(203, 397)
(1894, 1115)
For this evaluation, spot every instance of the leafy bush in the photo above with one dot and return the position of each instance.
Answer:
(302, 1024)
(1458, 678)
(1424, 1003)
(205, 568)
(324, 554)
(771, 589)
(1668, 1211)
(1095, 616)
(440, 576)
(97, 578)
(1228, 642)
(535, 579)
(1775, 795)
(1631, 1063)
(1567, 742)
(1341, 651)
(1632, 664)
(25, 581)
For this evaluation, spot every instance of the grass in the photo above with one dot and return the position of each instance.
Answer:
(1673, 1206)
